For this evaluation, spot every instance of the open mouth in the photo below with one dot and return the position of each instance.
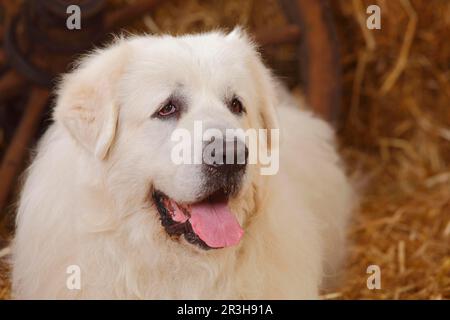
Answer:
(209, 223)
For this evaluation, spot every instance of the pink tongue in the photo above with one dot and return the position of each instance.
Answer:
(215, 224)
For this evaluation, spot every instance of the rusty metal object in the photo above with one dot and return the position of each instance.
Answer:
(320, 66)
(45, 24)
(17, 150)
(18, 60)
(39, 46)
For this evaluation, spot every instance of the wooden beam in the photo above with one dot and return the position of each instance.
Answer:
(287, 34)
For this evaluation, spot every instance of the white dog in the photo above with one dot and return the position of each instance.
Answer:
(104, 201)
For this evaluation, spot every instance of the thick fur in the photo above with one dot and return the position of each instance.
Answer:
(86, 200)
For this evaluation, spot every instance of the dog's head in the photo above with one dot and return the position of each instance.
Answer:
(155, 112)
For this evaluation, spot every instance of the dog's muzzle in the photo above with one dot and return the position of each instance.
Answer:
(208, 222)
(224, 165)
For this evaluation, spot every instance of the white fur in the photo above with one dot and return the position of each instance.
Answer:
(86, 199)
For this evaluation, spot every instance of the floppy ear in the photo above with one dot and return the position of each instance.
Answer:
(86, 104)
(92, 122)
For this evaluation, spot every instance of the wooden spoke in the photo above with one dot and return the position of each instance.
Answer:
(11, 84)
(2, 59)
(18, 148)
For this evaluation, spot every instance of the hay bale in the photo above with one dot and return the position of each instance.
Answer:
(4, 271)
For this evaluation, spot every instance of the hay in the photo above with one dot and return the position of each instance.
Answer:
(395, 134)
(396, 137)
(4, 271)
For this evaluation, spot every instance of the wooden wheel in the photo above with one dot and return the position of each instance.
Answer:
(33, 31)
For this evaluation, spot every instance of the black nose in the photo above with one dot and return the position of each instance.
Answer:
(225, 157)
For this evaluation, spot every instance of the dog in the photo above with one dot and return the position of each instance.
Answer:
(105, 213)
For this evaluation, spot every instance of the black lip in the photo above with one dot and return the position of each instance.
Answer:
(174, 228)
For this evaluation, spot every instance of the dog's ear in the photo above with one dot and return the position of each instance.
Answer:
(86, 104)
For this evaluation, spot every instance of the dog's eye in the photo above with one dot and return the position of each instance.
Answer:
(167, 110)
(236, 106)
